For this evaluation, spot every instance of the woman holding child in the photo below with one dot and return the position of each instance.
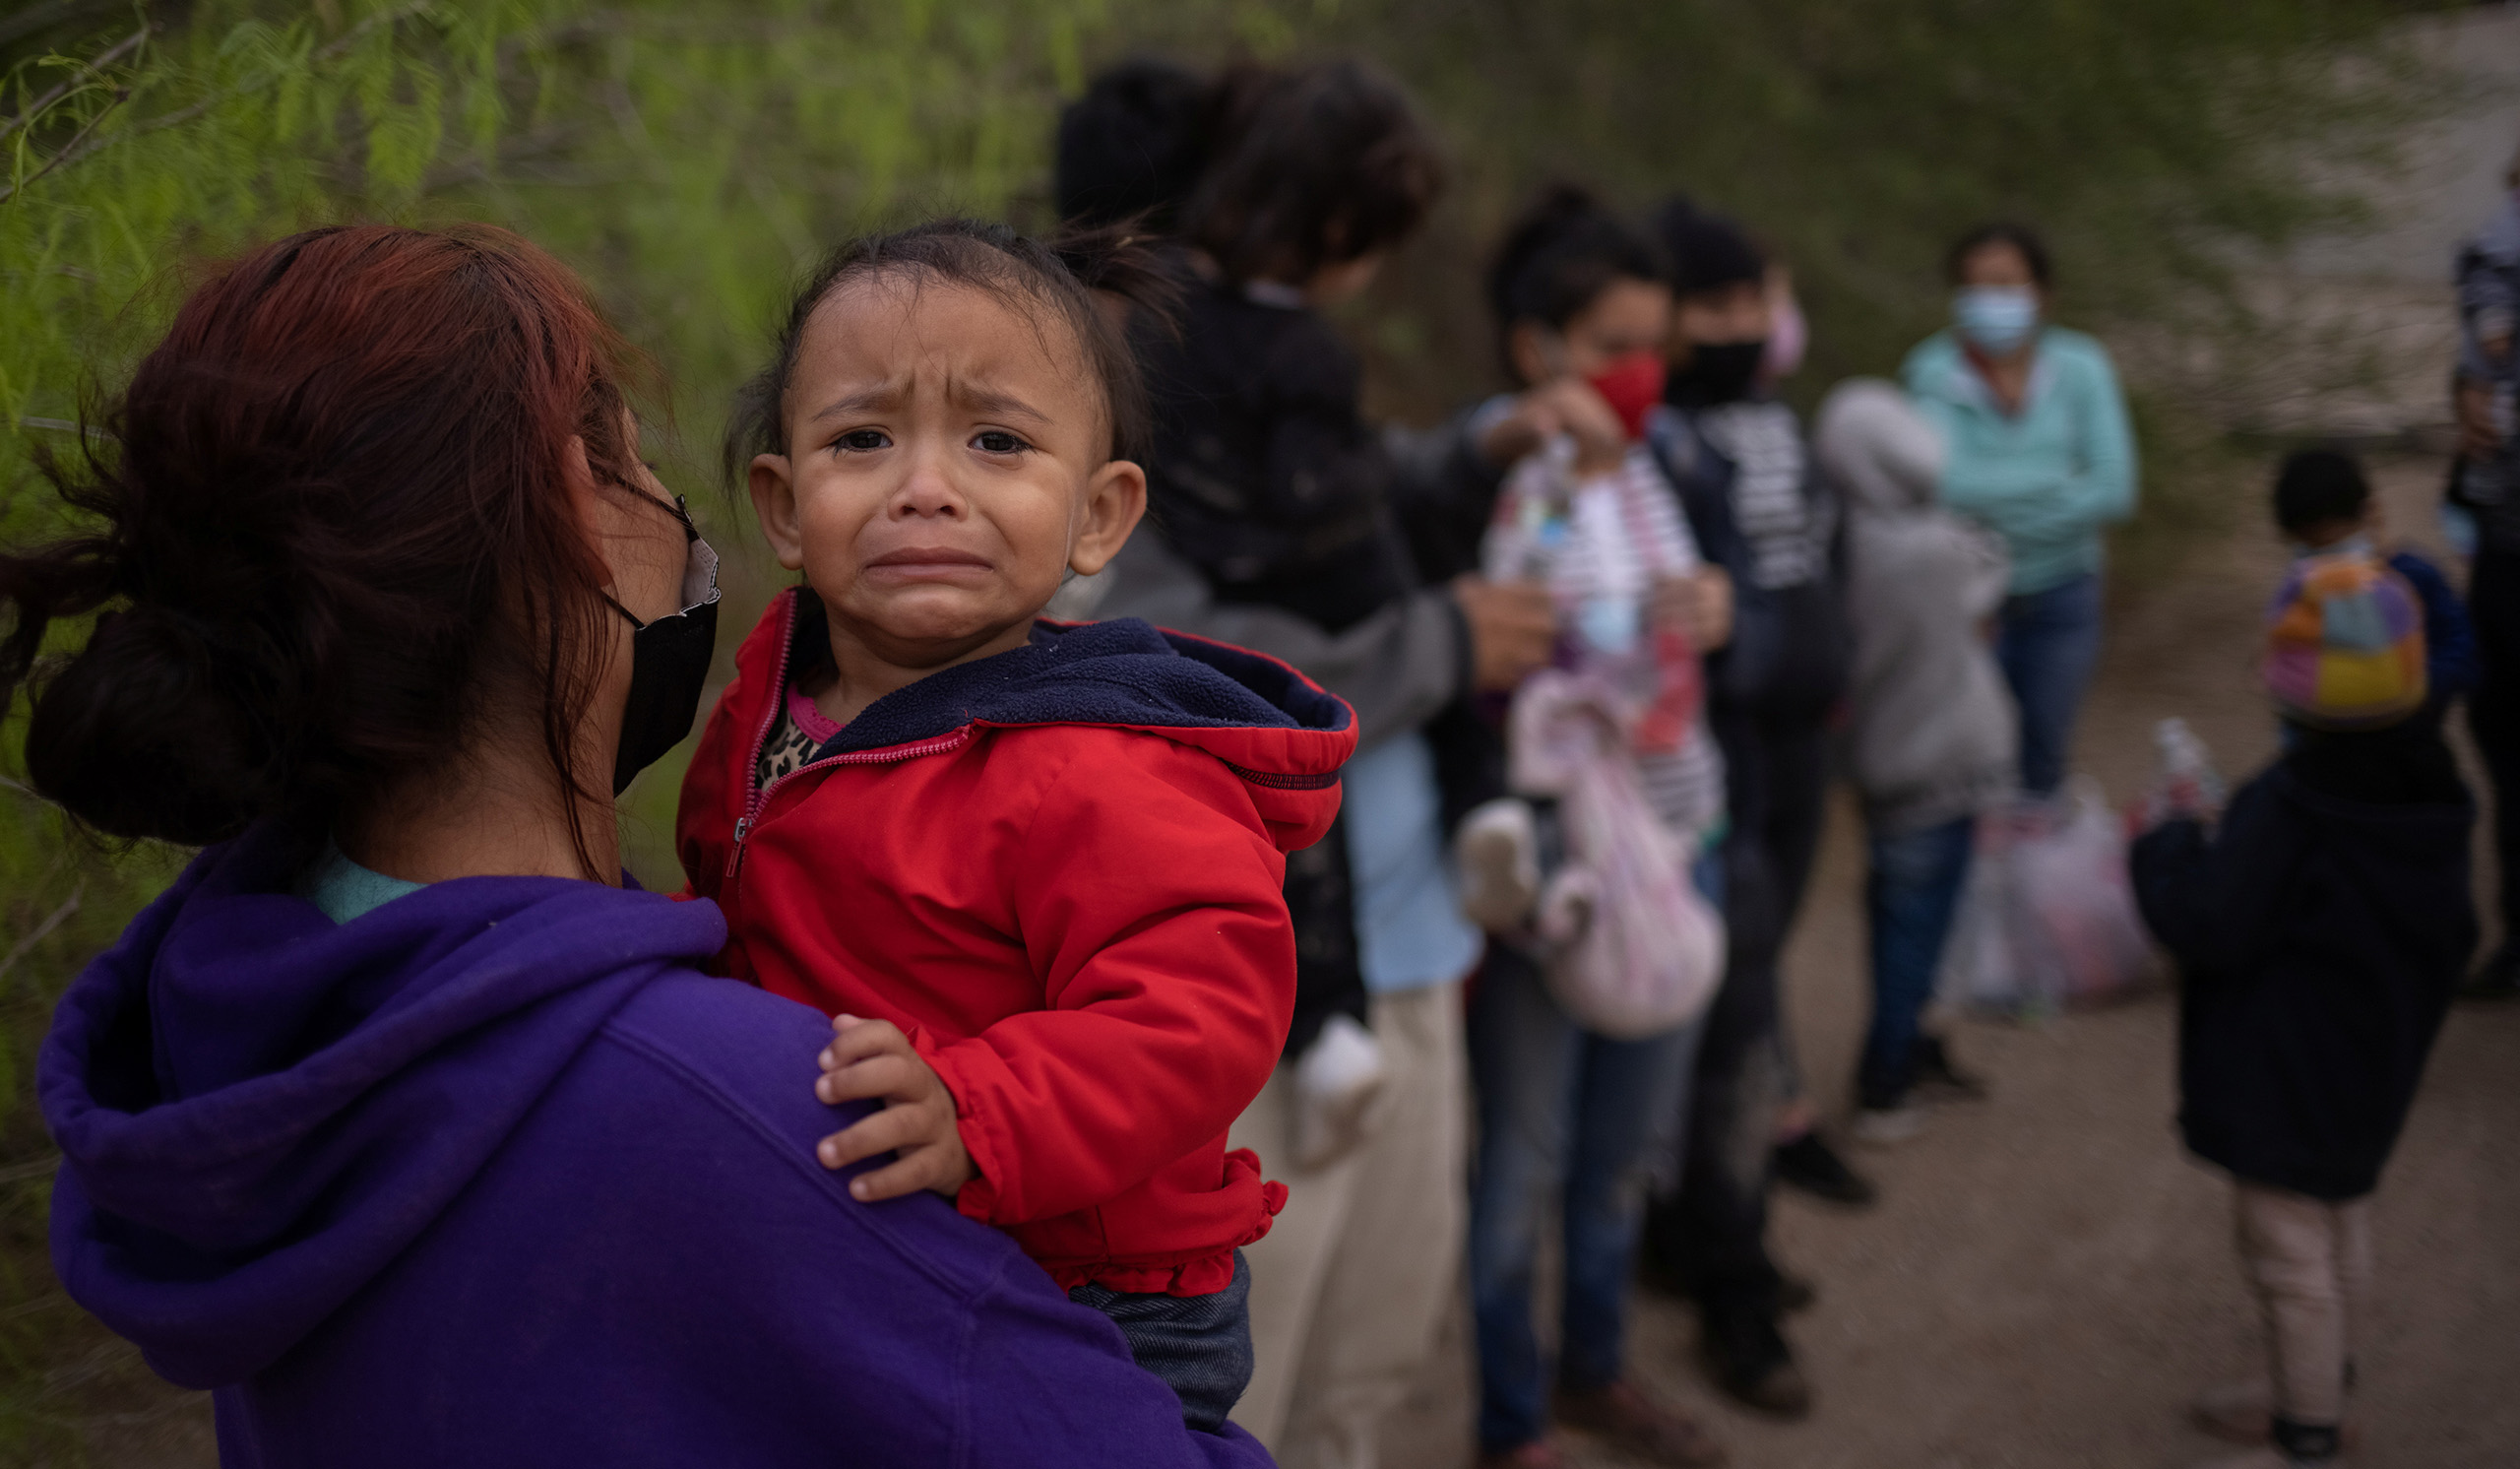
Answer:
(400, 1121)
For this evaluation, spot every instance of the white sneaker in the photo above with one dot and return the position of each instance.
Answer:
(1337, 1079)
(1498, 849)
(1888, 1127)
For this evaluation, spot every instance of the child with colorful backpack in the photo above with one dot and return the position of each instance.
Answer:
(2321, 926)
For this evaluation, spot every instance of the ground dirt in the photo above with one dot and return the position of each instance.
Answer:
(2047, 1279)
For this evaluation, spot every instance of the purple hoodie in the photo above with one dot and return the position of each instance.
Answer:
(491, 1175)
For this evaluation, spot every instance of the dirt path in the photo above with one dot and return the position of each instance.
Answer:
(2047, 1279)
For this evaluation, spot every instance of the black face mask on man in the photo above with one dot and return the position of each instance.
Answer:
(1717, 372)
(668, 661)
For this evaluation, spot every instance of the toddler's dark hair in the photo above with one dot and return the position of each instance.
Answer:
(1059, 277)
(2024, 240)
(2317, 487)
(1559, 255)
(1132, 146)
(1707, 251)
(1313, 165)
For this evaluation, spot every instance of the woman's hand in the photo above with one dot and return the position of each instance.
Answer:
(872, 1058)
(1561, 405)
(1699, 606)
(1513, 629)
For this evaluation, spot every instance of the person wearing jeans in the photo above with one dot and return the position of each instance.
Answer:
(2039, 451)
(1910, 898)
(2048, 642)
(1930, 732)
(1582, 1122)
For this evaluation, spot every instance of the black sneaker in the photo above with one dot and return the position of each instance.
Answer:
(1938, 1078)
(1748, 1358)
(2498, 978)
(1812, 1166)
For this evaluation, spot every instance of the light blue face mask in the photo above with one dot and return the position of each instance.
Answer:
(1995, 319)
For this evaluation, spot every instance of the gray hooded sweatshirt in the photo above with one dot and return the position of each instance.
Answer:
(1932, 733)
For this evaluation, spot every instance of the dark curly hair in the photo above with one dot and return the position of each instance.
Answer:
(1309, 166)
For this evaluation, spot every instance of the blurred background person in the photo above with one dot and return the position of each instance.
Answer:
(2485, 496)
(1567, 1115)
(1930, 738)
(1754, 508)
(2040, 452)
(1271, 508)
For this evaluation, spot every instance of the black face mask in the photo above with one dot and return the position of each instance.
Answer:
(669, 662)
(1718, 372)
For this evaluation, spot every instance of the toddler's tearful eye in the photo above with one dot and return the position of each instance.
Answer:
(994, 441)
(864, 439)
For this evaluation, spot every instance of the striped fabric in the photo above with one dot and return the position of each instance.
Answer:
(1603, 543)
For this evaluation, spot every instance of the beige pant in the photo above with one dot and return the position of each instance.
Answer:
(1350, 1287)
(2309, 1261)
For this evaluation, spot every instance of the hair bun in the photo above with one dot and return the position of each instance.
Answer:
(142, 734)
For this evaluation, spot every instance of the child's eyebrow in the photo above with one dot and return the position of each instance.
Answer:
(881, 395)
(999, 404)
(978, 399)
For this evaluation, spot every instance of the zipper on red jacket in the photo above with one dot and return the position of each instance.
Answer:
(751, 768)
(760, 794)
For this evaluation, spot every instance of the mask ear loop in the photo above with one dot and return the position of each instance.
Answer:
(679, 509)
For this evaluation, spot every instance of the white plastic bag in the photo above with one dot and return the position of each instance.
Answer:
(1634, 950)
(2048, 918)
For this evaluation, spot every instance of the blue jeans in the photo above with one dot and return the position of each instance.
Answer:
(1910, 897)
(1199, 1345)
(1570, 1116)
(2047, 643)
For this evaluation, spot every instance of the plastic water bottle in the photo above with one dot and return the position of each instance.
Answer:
(2189, 783)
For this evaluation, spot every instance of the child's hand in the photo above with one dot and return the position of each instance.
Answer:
(872, 1058)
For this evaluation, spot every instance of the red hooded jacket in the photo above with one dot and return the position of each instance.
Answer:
(1059, 871)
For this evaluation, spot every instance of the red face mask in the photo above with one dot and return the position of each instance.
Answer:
(1631, 386)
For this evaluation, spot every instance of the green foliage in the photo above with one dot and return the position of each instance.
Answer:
(690, 156)
(2159, 144)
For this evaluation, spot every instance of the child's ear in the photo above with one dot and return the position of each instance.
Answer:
(1114, 503)
(773, 504)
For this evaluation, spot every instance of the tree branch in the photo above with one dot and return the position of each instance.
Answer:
(36, 108)
(72, 154)
(122, 95)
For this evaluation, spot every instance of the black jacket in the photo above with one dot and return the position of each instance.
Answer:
(1791, 654)
(1265, 475)
(2320, 934)
(1266, 480)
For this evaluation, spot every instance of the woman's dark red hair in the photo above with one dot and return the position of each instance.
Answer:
(331, 535)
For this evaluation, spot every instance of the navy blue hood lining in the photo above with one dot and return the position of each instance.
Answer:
(1123, 672)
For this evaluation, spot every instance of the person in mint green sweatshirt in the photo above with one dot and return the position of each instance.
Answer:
(2041, 453)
